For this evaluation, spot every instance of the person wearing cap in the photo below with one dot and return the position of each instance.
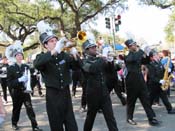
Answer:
(55, 66)
(111, 73)
(135, 83)
(97, 94)
(155, 80)
(166, 54)
(16, 79)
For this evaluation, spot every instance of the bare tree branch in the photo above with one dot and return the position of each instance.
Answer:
(33, 46)
(4, 45)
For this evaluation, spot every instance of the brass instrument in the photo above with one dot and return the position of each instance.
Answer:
(80, 38)
(170, 78)
(166, 78)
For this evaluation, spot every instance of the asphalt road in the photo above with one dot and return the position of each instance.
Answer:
(168, 121)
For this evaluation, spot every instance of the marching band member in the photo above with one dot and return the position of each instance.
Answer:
(3, 77)
(112, 75)
(55, 66)
(16, 80)
(83, 107)
(155, 80)
(135, 84)
(76, 78)
(165, 55)
(96, 90)
(35, 81)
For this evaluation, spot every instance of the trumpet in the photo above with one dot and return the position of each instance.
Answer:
(80, 39)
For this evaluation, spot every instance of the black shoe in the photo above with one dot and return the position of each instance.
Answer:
(41, 95)
(154, 122)
(123, 102)
(171, 111)
(37, 129)
(100, 111)
(15, 127)
(132, 122)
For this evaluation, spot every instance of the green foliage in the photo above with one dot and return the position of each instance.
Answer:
(19, 17)
(170, 28)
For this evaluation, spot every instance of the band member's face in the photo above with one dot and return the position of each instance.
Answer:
(133, 47)
(92, 51)
(4, 61)
(19, 58)
(156, 57)
(51, 44)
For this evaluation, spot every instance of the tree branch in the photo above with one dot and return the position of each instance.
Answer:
(21, 13)
(33, 46)
(95, 13)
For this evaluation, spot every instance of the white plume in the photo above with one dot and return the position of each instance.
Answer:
(91, 37)
(106, 50)
(12, 49)
(42, 27)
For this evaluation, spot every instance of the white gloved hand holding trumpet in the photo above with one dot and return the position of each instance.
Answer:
(60, 45)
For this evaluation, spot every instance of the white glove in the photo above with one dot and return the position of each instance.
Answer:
(4, 68)
(23, 78)
(68, 43)
(147, 50)
(119, 77)
(60, 45)
(63, 40)
(169, 70)
(74, 52)
(162, 82)
(110, 58)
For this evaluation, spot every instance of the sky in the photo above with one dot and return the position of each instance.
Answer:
(146, 22)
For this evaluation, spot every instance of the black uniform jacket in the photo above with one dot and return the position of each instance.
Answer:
(156, 72)
(94, 68)
(13, 73)
(133, 61)
(111, 71)
(55, 70)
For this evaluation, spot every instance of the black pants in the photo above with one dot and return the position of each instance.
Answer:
(136, 88)
(94, 103)
(83, 95)
(113, 84)
(36, 82)
(4, 88)
(60, 109)
(76, 77)
(19, 98)
(156, 91)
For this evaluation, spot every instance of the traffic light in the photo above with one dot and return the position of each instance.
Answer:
(117, 22)
(107, 21)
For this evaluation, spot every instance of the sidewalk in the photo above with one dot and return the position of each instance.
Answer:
(168, 121)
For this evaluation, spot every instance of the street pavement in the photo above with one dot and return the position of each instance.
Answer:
(167, 121)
